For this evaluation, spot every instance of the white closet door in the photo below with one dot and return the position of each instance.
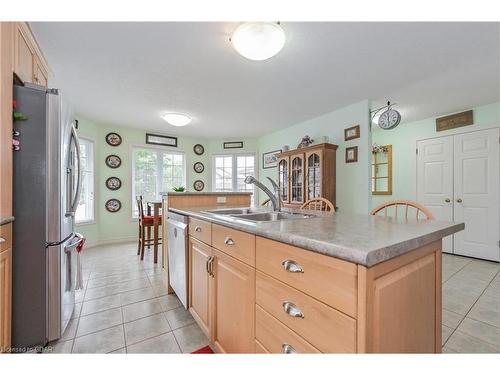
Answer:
(476, 177)
(435, 180)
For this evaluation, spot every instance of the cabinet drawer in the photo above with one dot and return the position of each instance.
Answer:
(332, 281)
(5, 237)
(259, 349)
(238, 244)
(276, 337)
(201, 230)
(322, 326)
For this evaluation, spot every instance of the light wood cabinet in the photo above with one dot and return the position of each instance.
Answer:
(234, 304)
(307, 173)
(5, 298)
(29, 63)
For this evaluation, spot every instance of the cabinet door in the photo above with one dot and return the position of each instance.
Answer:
(39, 74)
(314, 174)
(5, 298)
(284, 178)
(24, 55)
(199, 284)
(297, 179)
(234, 305)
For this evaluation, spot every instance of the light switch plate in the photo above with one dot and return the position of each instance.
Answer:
(221, 199)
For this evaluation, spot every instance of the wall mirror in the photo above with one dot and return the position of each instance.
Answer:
(382, 170)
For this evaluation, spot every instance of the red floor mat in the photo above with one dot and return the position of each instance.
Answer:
(204, 350)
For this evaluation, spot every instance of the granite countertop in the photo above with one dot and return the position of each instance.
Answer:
(361, 239)
(6, 219)
(204, 193)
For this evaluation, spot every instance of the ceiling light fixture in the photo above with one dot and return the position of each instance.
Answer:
(176, 119)
(258, 40)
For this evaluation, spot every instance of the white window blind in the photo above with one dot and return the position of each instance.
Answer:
(85, 210)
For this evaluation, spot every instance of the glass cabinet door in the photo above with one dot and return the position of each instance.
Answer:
(297, 185)
(313, 175)
(283, 179)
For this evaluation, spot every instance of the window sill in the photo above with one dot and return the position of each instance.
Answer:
(83, 223)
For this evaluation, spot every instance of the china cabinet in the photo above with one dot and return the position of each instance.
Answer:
(307, 173)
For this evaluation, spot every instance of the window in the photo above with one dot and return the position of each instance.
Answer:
(85, 210)
(154, 171)
(230, 172)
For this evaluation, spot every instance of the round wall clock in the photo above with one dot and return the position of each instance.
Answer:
(113, 139)
(113, 205)
(199, 185)
(198, 167)
(113, 161)
(113, 183)
(198, 149)
(389, 119)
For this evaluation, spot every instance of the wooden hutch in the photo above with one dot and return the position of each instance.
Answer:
(307, 173)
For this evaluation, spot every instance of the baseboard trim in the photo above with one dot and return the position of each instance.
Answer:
(111, 241)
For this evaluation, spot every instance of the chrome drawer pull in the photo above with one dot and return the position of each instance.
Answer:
(2, 240)
(197, 229)
(291, 266)
(229, 241)
(288, 349)
(292, 310)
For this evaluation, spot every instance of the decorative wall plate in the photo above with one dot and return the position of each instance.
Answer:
(198, 149)
(113, 205)
(113, 139)
(113, 161)
(198, 167)
(199, 185)
(113, 183)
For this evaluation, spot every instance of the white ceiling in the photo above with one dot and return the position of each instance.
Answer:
(128, 74)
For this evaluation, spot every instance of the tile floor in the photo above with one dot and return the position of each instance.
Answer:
(124, 307)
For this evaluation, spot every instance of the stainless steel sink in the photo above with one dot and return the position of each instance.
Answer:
(272, 216)
(231, 211)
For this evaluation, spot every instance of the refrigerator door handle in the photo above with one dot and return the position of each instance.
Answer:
(69, 248)
(74, 201)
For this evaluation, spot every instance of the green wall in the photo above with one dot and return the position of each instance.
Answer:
(353, 190)
(404, 140)
(119, 226)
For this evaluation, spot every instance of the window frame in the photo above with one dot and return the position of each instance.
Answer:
(160, 175)
(234, 182)
(94, 186)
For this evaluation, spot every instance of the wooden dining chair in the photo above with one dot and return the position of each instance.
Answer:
(146, 222)
(408, 205)
(319, 204)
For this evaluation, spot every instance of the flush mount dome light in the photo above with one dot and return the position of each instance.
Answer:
(176, 119)
(258, 40)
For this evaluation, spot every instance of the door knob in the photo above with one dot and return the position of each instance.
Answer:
(447, 200)
(459, 200)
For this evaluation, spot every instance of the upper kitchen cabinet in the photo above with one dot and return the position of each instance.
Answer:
(307, 173)
(29, 63)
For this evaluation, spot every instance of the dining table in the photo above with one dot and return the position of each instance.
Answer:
(156, 205)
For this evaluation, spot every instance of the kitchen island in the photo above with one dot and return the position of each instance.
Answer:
(329, 283)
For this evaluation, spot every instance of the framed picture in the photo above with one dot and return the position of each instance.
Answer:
(113, 139)
(269, 159)
(161, 140)
(113, 205)
(198, 149)
(113, 183)
(198, 167)
(113, 161)
(233, 144)
(198, 185)
(352, 133)
(351, 154)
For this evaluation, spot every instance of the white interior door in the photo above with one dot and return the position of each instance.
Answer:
(476, 178)
(435, 180)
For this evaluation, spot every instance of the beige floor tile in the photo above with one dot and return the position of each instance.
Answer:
(458, 302)
(100, 292)
(105, 341)
(179, 317)
(463, 343)
(451, 319)
(77, 310)
(480, 330)
(136, 296)
(145, 328)
(190, 338)
(59, 347)
(99, 321)
(445, 333)
(70, 331)
(141, 309)
(119, 351)
(487, 310)
(165, 343)
(447, 350)
(126, 286)
(100, 304)
(169, 302)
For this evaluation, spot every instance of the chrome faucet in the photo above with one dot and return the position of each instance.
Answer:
(274, 197)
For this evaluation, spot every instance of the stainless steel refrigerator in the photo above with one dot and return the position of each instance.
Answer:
(47, 180)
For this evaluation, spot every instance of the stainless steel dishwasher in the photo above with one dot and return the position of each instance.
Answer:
(177, 255)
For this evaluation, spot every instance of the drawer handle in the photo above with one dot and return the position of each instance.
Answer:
(2, 240)
(197, 229)
(288, 349)
(292, 310)
(291, 266)
(229, 241)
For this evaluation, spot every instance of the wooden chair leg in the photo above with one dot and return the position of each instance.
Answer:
(155, 246)
(139, 241)
(143, 245)
(149, 237)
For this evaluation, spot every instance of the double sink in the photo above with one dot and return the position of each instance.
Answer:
(255, 215)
